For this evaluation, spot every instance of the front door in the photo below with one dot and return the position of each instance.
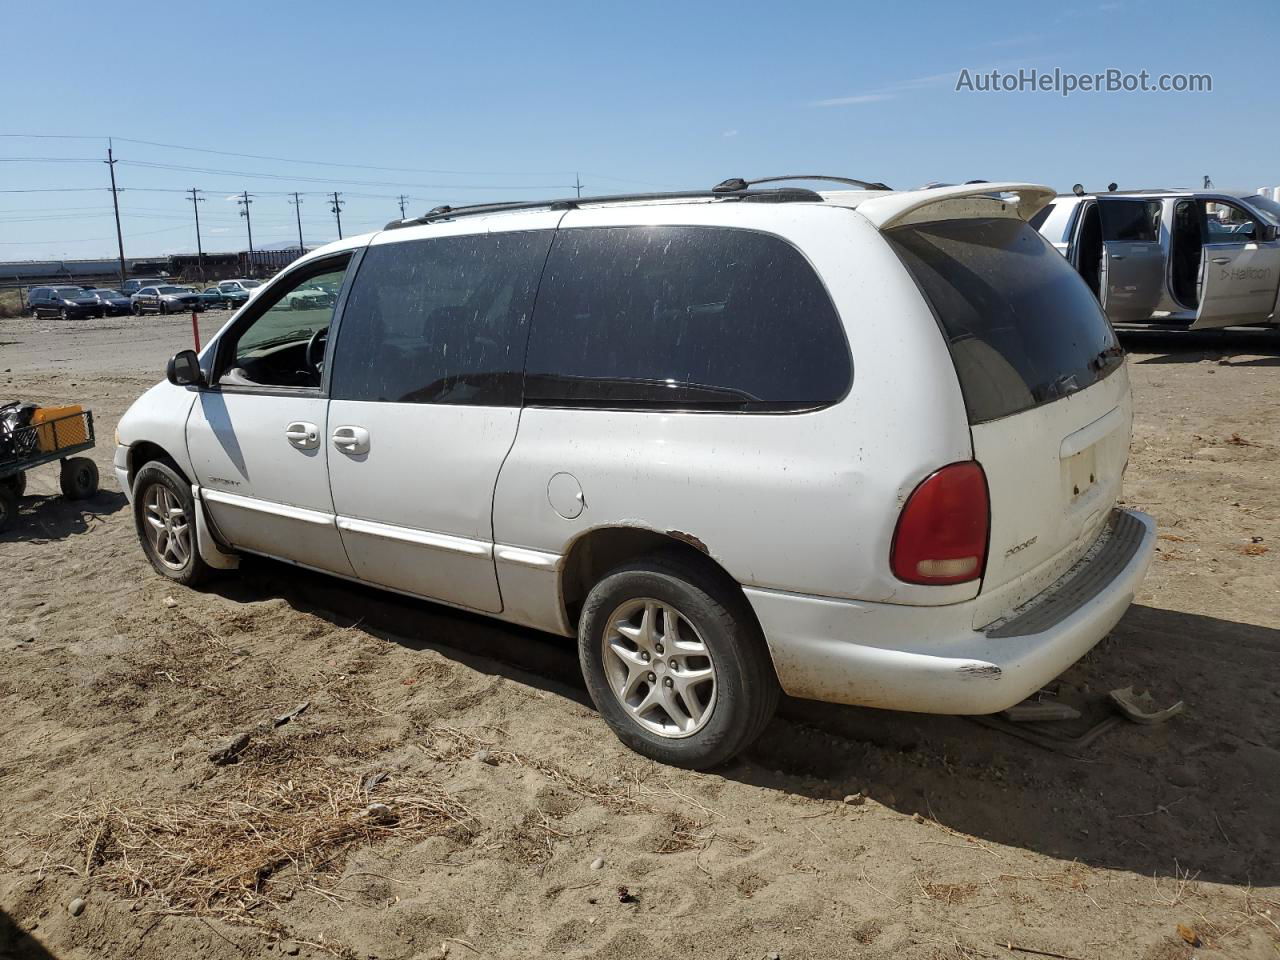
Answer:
(1239, 274)
(256, 436)
(426, 394)
(1132, 275)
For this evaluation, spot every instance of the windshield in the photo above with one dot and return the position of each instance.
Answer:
(70, 293)
(173, 289)
(250, 284)
(106, 293)
(1269, 209)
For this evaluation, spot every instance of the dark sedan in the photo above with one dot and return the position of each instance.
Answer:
(218, 299)
(166, 299)
(69, 303)
(114, 303)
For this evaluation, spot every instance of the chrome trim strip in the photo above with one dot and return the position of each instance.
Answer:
(266, 506)
(526, 557)
(424, 538)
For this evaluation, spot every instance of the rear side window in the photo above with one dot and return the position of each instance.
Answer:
(1132, 221)
(443, 320)
(1022, 326)
(684, 316)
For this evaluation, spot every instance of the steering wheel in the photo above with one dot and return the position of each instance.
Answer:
(315, 349)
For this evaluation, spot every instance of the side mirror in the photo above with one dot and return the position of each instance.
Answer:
(1264, 233)
(183, 369)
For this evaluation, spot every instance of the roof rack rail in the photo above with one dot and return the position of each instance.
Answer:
(735, 184)
(446, 212)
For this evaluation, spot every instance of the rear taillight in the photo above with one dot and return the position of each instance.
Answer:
(942, 532)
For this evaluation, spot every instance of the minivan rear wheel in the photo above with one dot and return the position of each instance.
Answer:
(675, 662)
(164, 514)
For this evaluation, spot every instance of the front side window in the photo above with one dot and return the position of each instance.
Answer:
(1228, 223)
(442, 320)
(683, 316)
(282, 345)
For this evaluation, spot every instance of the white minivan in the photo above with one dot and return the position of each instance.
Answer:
(859, 446)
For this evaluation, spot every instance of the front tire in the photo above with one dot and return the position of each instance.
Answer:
(164, 515)
(676, 663)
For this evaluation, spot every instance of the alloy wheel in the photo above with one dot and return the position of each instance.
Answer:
(167, 525)
(659, 668)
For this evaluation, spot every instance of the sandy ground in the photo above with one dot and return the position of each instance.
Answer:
(520, 828)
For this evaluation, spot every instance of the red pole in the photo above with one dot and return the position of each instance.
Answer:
(195, 330)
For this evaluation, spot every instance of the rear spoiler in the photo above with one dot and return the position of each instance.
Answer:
(1022, 200)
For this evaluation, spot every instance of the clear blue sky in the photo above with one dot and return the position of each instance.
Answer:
(518, 97)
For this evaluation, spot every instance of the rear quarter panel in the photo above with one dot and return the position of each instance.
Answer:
(803, 502)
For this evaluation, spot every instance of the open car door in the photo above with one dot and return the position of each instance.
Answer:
(1239, 267)
(1132, 274)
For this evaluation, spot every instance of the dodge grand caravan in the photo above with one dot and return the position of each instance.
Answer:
(860, 446)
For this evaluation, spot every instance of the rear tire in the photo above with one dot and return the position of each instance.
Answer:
(17, 483)
(160, 495)
(79, 478)
(623, 674)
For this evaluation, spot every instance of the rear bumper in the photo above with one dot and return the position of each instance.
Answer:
(931, 659)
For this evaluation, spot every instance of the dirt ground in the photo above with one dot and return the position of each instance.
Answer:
(516, 826)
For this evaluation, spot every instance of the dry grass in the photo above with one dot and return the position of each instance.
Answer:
(264, 839)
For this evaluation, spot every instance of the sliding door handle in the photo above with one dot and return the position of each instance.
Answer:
(351, 440)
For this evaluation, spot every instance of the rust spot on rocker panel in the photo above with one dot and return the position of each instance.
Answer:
(979, 671)
(690, 539)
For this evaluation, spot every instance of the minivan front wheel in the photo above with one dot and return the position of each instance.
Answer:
(164, 514)
(675, 663)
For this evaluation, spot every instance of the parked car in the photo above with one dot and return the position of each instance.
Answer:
(247, 288)
(69, 303)
(860, 446)
(114, 303)
(224, 299)
(1198, 259)
(310, 298)
(130, 287)
(167, 299)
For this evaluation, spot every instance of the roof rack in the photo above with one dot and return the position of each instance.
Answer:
(735, 184)
(445, 212)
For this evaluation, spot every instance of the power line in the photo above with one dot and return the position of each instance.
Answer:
(216, 172)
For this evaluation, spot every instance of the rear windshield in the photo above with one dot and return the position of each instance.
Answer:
(1023, 327)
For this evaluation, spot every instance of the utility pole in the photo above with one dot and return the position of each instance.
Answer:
(337, 211)
(403, 198)
(244, 202)
(195, 205)
(297, 209)
(115, 202)
(577, 182)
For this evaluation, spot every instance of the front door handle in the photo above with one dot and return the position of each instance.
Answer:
(303, 435)
(351, 440)
(1221, 260)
